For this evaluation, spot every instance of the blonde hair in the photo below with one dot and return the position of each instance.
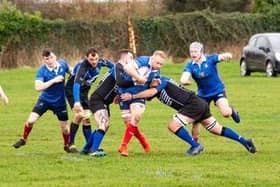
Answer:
(160, 53)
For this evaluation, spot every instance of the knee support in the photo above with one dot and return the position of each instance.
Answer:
(211, 125)
(179, 119)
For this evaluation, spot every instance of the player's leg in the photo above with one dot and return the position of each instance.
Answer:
(65, 134)
(74, 126)
(176, 125)
(213, 126)
(62, 116)
(86, 116)
(38, 110)
(86, 124)
(129, 131)
(102, 121)
(195, 131)
(137, 109)
(225, 109)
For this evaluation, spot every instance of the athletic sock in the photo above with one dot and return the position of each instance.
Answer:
(90, 142)
(26, 131)
(140, 136)
(98, 136)
(129, 132)
(229, 133)
(184, 135)
(66, 138)
(73, 130)
(87, 132)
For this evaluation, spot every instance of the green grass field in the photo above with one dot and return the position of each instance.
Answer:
(42, 161)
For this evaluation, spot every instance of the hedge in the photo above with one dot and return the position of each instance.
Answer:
(23, 34)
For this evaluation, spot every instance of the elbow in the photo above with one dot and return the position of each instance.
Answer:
(38, 88)
(185, 81)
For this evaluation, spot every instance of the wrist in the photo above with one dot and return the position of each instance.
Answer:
(131, 98)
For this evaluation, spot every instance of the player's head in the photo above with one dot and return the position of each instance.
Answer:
(92, 56)
(125, 56)
(49, 58)
(196, 51)
(158, 59)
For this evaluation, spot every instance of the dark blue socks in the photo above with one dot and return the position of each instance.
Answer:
(184, 135)
(98, 136)
(227, 132)
(87, 132)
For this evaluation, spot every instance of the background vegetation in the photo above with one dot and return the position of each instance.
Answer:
(42, 161)
(23, 35)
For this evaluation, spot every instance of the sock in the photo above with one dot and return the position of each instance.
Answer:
(141, 138)
(27, 130)
(227, 132)
(66, 138)
(90, 142)
(129, 132)
(98, 136)
(73, 130)
(184, 135)
(87, 132)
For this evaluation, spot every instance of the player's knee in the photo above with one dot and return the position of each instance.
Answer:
(104, 127)
(226, 112)
(174, 125)
(64, 127)
(214, 127)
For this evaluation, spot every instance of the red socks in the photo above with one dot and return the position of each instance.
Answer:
(129, 132)
(66, 138)
(132, 130)
(27, 130)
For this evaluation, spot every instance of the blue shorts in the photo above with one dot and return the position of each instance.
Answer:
(124, 105)
(214, 97)
(42, 106)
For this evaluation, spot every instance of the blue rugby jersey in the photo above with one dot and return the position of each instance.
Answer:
(206, 76)
(55, 94)
(144, 68)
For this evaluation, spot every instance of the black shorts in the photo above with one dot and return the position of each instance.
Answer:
(196, 109)
(98, 103)
(42, 106)
(83, 97)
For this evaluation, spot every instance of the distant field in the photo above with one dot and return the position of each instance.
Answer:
(42, 162)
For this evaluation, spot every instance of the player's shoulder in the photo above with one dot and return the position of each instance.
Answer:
(143, 59)
(212, 57)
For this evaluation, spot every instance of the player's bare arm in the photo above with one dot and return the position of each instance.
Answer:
(185, 78)
(144, 94)
(131, 70)
(225, 56)
(40, 85)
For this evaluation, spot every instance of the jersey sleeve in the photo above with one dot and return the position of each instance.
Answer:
(163, 83)
(81, 71)
(40, 75)
(122, 79)
(65, 65)
(142, 61)
(106, 63)
(214, 58)
(188, 67)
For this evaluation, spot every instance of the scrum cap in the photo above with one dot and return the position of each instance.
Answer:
(197, 45)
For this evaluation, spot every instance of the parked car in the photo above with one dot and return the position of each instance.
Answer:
(261, 54)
